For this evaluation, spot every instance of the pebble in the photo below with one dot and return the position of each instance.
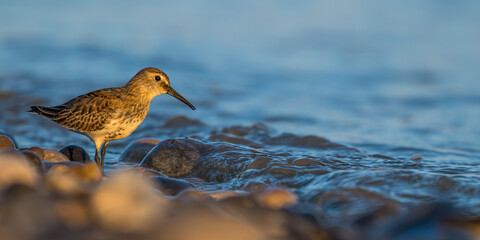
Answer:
(6, 142)
(170, 186)
(147, 172)
(137, 150)
(125, 203)
(51, 155)
(34, 159)
(15, 169)
(416, 157)
(75, 153)
(174, 157)
(207, 223)
(275, 198)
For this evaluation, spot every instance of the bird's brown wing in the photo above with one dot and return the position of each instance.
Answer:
(85, 113)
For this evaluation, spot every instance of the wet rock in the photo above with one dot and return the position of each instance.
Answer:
(259, 162)
(48, 165)
(382, 156)
(126, 203)
(34, 159)
(305, 142)
(61, 183)
(6, 142)
(275, 198)
(147, 172)
(54, 156)
(15, 169)
(51, 155)
(75, 153)
(136, 151)
(174, 157)
(416, 157)
(170, 186)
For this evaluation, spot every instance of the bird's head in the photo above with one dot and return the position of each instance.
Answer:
(153, 82)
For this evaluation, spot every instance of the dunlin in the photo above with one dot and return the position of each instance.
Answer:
(111, 113)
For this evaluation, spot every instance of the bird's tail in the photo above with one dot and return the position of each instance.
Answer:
(47, 112)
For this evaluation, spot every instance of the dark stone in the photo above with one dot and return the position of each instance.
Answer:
(174, 157)
(6, 142)
(171, 186)
(136, 151)
(75, 153)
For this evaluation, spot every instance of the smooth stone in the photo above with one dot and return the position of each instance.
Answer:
(170, 186)
(15, 169)
(48, 164)
(50, 155)
(73, 179)
(126, 203)
(174, 157)
(53, 155)
(6, 142)
(148, 172)
(34, 159)
(75, 153)
(59, 182)
(137, 150)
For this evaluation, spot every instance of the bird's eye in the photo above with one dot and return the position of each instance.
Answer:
(157, 78)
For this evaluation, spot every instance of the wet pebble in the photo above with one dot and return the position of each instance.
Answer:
(137, 150)
(75, 153)
(6, 142)
(170, 186)
(34, 159)
(174, 157)
(51, 155)
(147, 172)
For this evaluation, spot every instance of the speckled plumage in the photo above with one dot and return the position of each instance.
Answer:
(111, 113)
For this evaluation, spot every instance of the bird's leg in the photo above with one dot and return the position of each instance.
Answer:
(97, 159)
(104, 147)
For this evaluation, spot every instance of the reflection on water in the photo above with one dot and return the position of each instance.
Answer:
(272, 81)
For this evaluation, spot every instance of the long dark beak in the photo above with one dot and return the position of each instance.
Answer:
(177, 95)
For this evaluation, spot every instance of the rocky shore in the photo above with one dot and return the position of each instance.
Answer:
(62, 194)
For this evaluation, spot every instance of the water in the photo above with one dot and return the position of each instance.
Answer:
(272, 81)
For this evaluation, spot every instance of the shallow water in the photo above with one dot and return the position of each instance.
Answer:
(328, 100)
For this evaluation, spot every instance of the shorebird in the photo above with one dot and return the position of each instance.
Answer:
(112, 113)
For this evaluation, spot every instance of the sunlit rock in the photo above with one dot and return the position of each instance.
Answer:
(6, 142)
(15, 169)
(202, 222)
(126, 203)
(137, 150)
(51, 155)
